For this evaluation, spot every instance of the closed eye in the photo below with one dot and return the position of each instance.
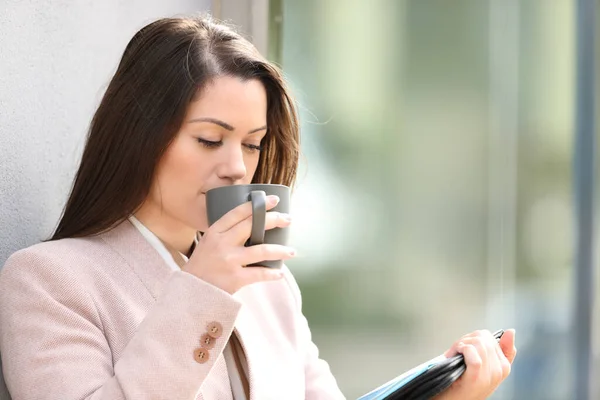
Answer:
(254, 147)
(209, 143)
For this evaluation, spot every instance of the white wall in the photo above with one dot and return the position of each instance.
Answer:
(56, 59)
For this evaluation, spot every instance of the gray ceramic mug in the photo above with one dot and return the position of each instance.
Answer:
(221, 200)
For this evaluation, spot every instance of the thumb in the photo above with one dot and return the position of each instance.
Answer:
(507, 344)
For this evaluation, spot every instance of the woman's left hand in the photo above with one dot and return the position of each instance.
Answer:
(488, 364)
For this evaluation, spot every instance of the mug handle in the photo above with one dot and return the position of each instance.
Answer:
(259, 216)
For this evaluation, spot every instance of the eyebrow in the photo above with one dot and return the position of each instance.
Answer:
(223, 124)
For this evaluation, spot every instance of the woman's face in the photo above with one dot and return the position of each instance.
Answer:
(218, 144)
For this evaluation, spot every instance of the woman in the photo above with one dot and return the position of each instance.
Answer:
(128, 301)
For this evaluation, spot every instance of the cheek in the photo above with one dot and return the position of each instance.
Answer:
(179, 174)
(251, 163)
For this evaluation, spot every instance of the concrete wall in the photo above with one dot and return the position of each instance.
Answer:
(56, 59)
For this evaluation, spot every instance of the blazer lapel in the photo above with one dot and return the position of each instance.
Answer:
(248, 335)
(147, 264)
(243, 332)
(151, 269)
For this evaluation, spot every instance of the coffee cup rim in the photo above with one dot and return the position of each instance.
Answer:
(249, 184)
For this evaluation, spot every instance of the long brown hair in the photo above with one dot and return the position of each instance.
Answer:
(162, 69)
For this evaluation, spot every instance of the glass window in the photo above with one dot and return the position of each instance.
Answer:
(435, 195)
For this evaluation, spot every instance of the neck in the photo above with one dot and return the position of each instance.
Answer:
(173, 233)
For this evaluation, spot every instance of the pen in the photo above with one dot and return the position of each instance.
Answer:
(498, 334)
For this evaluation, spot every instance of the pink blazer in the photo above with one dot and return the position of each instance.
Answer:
(105, 318)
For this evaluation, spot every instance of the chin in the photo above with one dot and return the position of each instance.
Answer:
(194, 219)
(200, 223)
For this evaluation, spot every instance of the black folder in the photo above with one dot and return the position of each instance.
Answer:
(424, 381)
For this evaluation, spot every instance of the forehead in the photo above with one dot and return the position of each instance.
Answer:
(230, 97)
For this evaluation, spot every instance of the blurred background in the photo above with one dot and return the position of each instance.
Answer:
(435, 195)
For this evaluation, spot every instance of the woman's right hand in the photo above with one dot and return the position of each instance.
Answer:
(220, 256)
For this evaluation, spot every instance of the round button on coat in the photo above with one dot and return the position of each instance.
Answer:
(215, 329)
(201, 355)
(207, 341)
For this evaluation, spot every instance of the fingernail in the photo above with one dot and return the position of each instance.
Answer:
(273, 199)
(286, 217)
(292, 252)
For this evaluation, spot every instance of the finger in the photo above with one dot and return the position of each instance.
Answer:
(507, 344)
(238, 214)
(470, 335)
(480, 333)
(494, 361)
(504, 364)
(267, 252)
(241, 232)
(452, 351)
(490, 367)
(260, 274)
(277, 220)
(472, 360)
(479, 343)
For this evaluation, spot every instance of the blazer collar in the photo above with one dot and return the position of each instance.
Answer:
(143, 259)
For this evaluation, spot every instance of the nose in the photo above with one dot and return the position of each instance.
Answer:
(232, 167)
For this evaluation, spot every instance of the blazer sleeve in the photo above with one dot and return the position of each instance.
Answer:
(53, 344)
(320, 383)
